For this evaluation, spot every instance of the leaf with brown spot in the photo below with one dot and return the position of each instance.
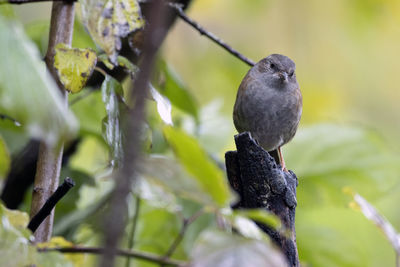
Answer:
(109, 20)
(74, 66)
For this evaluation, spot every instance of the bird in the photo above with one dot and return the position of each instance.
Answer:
(269, 104)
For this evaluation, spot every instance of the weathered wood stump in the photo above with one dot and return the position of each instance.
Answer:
(261, 183)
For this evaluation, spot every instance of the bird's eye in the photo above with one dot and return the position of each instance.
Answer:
(291, 73)
(272, 66)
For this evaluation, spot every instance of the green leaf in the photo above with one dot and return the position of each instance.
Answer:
(92, 155)
(7, 10)
(17, 219)
(89, 110)
(210, 118)
(53, 258)
(13, 135)
(176, 92)
(73, 220)
(4, 159)
(175, 181)
(371, 213)
(327, 157)
(121, 61)
(74, 66)
(244, 222)
(127, 64)
(16, 248)
(103, 58)
(81, 38)
(221, 249)
(38, 32)
(27, 93)
(157, 194)
(14, 238)
(197, 163)
(156, 229)
(113, 99)
(337, 236)
(261, 216)
(109, 20)
(163, 105)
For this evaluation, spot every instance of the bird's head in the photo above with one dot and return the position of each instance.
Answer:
(277, 69)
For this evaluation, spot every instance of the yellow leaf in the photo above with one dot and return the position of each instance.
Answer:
(74, 66)
(55, 242)
(109, 20)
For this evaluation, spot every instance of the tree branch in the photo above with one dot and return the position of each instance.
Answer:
(120, 252)
(211, 36)
(50, 204)
(115, 220)
(50, 158)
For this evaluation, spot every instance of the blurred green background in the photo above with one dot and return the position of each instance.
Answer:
(347, 58)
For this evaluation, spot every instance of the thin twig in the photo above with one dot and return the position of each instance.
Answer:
(85, 94)
(178, 239)
(120, 252)
(210, 35)
(103, 72)
(50, 204)
(131, 241)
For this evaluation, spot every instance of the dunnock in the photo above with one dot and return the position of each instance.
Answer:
(269, 103)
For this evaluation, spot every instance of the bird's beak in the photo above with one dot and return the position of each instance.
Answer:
(283, 76)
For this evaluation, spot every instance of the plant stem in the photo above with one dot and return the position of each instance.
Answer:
(49, 160)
